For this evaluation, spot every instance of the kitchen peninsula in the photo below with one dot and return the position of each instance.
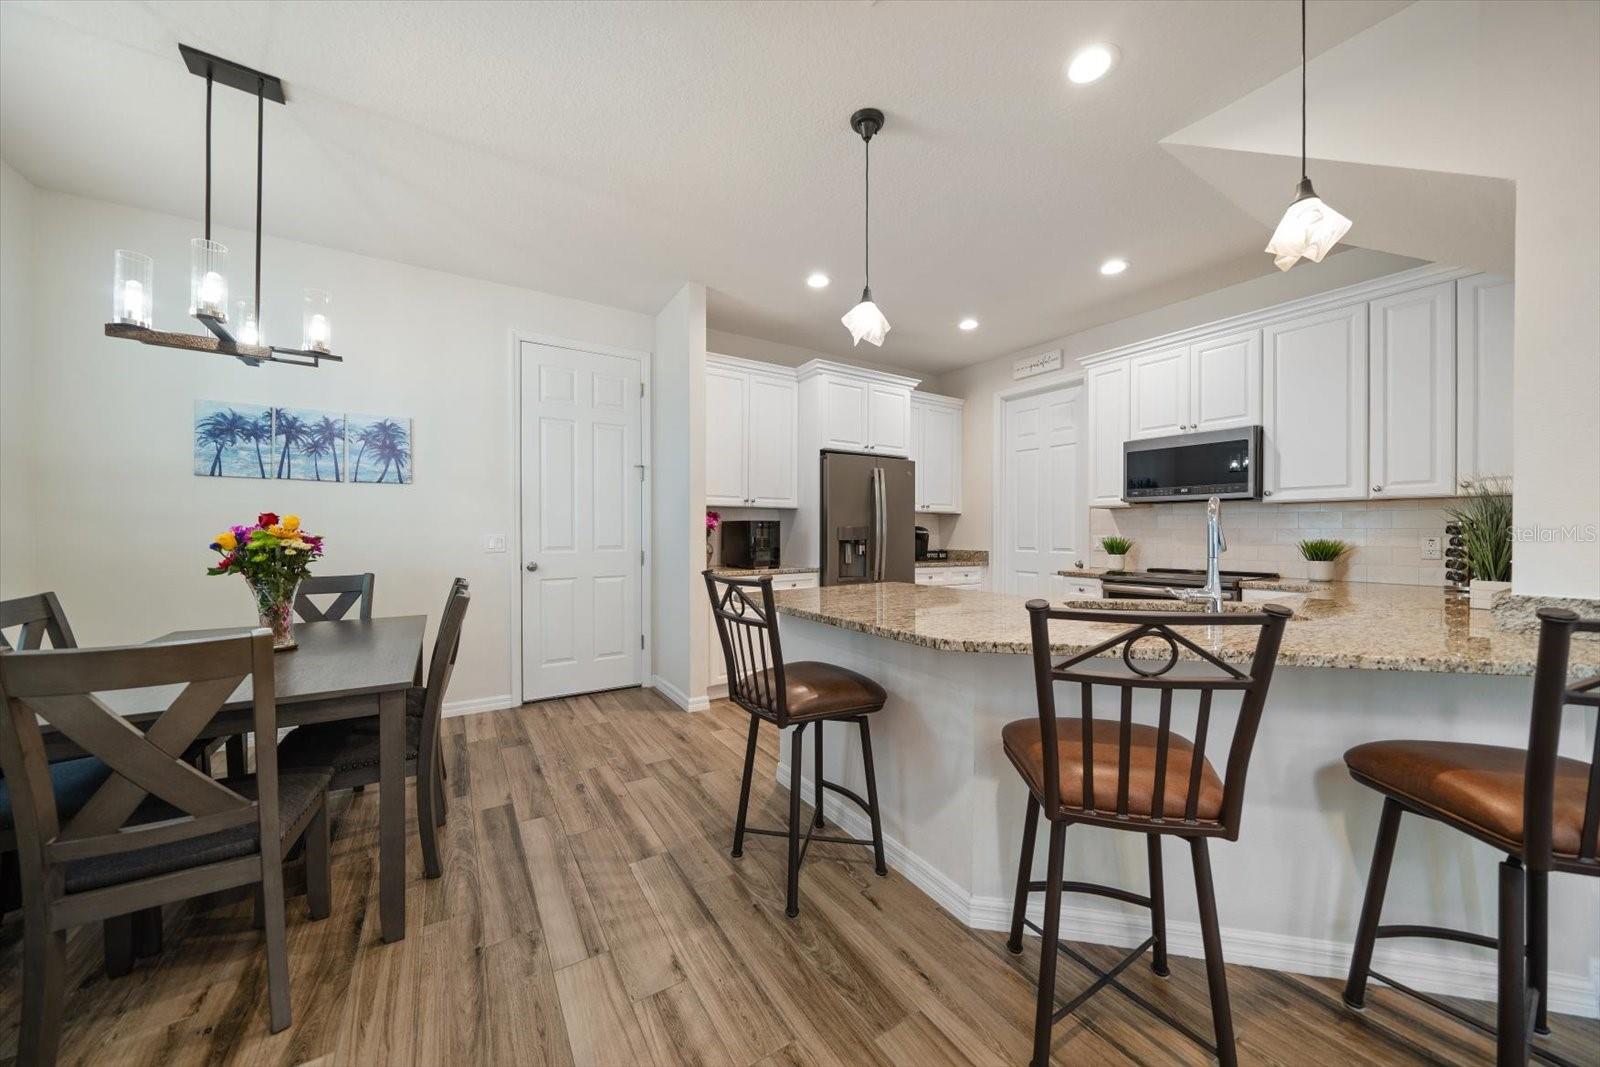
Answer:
(1359, 662)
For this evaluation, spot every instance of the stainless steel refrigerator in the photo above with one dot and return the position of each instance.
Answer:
(868, 519)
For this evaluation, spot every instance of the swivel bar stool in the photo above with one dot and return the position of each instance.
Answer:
(791, 694)
(1123, 775)
(1542, 810)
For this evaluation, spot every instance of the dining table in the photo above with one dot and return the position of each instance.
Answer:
(349, 669)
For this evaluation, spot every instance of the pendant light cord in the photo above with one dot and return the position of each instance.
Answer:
(208, 154)
(866, 221)
(261, 109)
(1302, 90)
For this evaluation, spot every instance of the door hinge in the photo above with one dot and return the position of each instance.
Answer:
(641, 641)
(641, 557)
(641, 393)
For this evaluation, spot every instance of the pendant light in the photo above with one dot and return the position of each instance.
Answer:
(241, 336)
(865, 321)
(1309, 228)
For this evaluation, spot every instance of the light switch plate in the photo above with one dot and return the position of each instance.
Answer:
(1430, 548)
(494, 543)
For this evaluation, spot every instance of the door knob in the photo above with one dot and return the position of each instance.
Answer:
(532, 567)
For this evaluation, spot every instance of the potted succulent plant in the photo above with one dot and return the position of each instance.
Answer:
(1116, 550)
(1321, 554)
(1484, 516)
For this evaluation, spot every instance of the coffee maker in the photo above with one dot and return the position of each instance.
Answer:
(750, 543)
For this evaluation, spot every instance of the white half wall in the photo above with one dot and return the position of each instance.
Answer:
(677, 423)
(98, 438)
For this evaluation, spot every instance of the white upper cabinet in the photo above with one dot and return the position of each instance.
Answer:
(844, 414)
(751, 427)
(1107, 386)
(1314, 406)
(1483, 378)
(1225, 373)
(1160, 393)
(1412, 426)
(889, 419)
(936, 450)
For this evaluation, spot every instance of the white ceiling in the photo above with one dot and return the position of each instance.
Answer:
(611, 152)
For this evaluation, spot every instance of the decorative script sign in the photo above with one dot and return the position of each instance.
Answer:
(1043, 363)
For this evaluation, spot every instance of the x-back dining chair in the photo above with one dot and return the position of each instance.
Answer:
(36, 617)
(347, 590)
(157, 830)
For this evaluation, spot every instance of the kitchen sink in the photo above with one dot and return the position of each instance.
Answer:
(1292, 601)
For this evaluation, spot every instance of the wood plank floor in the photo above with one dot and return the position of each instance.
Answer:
(589, 913)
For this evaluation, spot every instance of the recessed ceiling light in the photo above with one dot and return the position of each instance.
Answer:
(1091, 63)
(968, 324)
(1113, 266)
(817, 280)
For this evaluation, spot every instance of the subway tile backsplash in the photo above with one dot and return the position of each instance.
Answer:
(1385, 536)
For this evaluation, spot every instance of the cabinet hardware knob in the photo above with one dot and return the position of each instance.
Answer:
(1377, 489)
(532, 567)
(1266, 492)
(1465, 483)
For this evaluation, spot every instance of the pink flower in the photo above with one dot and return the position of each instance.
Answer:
(713, 518)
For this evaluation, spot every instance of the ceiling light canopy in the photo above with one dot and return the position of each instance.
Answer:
(864, 321)
(1090, 64)
(817, 280)
(968, 324)
(1113, 266)
(1309, 228)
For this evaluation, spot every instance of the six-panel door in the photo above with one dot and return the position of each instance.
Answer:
(581, 503)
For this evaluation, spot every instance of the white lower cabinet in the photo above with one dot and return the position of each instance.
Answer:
(953, 577)
(1082, 589)
(716, 660)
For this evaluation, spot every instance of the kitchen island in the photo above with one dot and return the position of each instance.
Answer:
(1359, 662)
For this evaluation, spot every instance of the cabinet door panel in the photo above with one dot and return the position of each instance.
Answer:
(773, 408)
(936, 450)
(1160, 392)
(1484, 305)
(1314, 406)
(725, 437)
(844, 414)
(1412, 431)
(1227, 382)
(1108, 429)
(889, 419)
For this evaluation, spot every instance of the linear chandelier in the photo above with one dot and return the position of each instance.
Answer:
(241, 336)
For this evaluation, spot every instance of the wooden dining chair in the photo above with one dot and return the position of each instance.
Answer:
(157, 830)
(348, 591)
(1119, 774)
(349, 749)
(35, 618)
(1539, 809)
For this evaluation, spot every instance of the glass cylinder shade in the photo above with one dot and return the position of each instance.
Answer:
(246, 329)
(316, 326)
(133, 289)
(208, 280)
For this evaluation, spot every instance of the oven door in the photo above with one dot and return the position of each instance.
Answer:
(1193, 466)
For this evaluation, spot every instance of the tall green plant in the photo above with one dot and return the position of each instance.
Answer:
(1484, 516)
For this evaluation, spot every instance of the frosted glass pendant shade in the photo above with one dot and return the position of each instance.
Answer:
(1309, 229)
(208, 279)
(865, 322)
(316, 329)
(132, 288)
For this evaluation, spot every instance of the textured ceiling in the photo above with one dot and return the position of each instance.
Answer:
(611, 152)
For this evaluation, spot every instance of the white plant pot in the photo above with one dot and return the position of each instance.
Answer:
(1482, 594)
(1116, 563)
(1320, 570)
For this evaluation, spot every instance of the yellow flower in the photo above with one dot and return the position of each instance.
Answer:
(277, 530)
(291, 523)
(226, 541)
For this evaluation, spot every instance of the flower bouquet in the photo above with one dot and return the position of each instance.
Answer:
(273, 555)
(713, 520)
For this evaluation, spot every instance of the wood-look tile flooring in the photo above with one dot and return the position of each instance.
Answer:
(589, 913)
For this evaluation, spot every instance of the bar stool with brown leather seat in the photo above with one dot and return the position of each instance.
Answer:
(1124, 775)
(791, 694)
(1541, 809)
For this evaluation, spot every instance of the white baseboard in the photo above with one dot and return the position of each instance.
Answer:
(1472, 978)
(678, 696)
(473, 707)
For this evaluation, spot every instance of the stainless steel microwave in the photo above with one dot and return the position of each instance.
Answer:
(1193, 466)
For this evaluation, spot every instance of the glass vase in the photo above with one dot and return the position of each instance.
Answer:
(275, 607)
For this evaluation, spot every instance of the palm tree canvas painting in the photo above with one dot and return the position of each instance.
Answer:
(378, 448)
(308, 445)
(232, 440)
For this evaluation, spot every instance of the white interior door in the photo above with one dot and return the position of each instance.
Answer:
(1044, 513)
(582, 573)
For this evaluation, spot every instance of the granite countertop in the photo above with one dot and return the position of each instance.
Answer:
(756, 572)
(1347, 625)
(1276, 585)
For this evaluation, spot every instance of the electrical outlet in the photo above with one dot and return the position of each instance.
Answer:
(497, 543)
(1430, 548)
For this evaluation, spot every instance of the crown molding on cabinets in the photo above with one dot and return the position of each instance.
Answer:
(1388, 285)
(827, 366)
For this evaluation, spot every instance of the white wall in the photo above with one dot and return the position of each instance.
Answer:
(677, 426)
(104, 481)
(16, 336)
(1505, 90)
(978, 384)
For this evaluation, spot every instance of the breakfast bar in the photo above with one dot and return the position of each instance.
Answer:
(1358, 662)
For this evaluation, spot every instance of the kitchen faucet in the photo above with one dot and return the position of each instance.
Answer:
(1216, 545)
